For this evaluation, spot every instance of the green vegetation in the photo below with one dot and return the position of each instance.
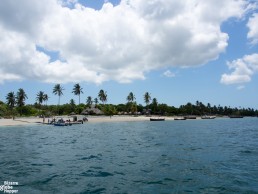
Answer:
(15, 105)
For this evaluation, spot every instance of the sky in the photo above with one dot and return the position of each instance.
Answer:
(178, 51)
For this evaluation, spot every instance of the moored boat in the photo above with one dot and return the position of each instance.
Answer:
(157, 119)
(235, 116)
(208, 117)
(179, 118)
(190, 117)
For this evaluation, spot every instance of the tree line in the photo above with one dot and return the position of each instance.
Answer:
(15, 105)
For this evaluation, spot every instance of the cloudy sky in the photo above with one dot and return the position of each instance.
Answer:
(179, 51)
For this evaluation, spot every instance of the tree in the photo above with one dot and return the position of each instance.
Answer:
(147, 98)
(96, 101)
(132, 106)
(102, 96)
(58, 90)
(40, 97)
(72, 104)
(130, 97)
(11, 100)
(154, 104)
(20, 99)
(45, 98)
(89, 101)
(77, 90)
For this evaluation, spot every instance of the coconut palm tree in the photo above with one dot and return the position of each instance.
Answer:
(96, 101)
(40, 97)
(130, 97)
(102, 96)
(21, 97)
(154, 104)
(77, 90)
(58, 90)
(11, 100)
(147, 98)
(89, 101)
(45, 98)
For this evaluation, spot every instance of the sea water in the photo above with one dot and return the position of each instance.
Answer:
(192, 156)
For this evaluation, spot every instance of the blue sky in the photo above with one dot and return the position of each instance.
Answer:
(179, 52)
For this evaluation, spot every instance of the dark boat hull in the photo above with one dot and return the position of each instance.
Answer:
(235, 117)
(157, 119)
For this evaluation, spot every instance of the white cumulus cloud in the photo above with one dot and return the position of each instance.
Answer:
(253, 28)
(168, 73)
(242, 70)
(118, 43)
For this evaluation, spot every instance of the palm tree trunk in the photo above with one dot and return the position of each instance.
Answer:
(58, 105)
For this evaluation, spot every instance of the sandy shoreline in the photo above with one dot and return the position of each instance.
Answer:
(21, 121)
(91, 119)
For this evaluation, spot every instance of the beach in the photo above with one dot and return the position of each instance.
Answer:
(91, 119)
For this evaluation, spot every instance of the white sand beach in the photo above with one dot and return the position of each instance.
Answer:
(91, 119)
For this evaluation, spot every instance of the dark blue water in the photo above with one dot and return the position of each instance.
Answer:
(198, 156)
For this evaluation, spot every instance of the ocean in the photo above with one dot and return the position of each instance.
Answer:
(192, 156)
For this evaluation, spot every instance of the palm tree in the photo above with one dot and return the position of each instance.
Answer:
(147, 98)
(130, 97)
(11, 100)
(154, 104)
(102, 96)
(89, 101)
(21, 97)
(58, 90)
(72, 102)
(40, 97)
(45, 98)
(96, 101)
(77, 90)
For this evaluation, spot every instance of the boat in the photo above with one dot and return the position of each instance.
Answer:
(179, 118)
(235, 116)
(208, 117)
(61, 122)
(190, 117)
(157, 119)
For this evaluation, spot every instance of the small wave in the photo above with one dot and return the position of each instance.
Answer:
(44, 181)
(100, 190)
(169, 179)
(246, 152)
(155, 183)
(96, 167)
(42, 165)
(91, 173)
(91, 157)
(119, 173)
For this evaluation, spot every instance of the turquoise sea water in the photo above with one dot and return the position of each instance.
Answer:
(192, 156)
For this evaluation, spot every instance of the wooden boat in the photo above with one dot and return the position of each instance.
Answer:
(179, 118)
(157, 119)
(208, 117)
(61, 124)
(190, 117)
(235, 116)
